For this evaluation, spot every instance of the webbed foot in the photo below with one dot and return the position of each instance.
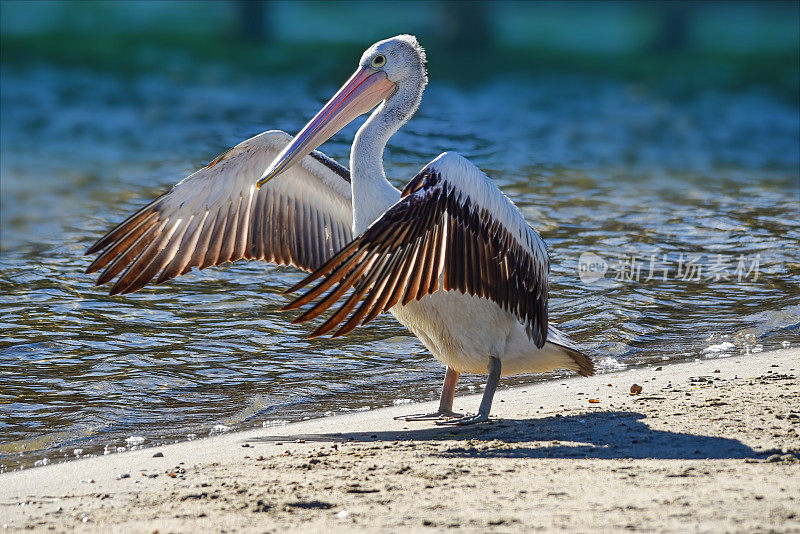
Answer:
(465, 420)
(432, 416)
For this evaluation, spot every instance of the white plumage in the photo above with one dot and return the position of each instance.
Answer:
(450, 257)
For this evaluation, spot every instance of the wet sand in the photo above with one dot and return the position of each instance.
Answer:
(706, 446)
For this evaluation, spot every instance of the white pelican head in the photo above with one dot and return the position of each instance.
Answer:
(392, 70)
(401, 58)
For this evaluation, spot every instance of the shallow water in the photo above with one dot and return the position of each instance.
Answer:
(597, 166)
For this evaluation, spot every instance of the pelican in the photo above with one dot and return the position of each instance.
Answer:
(450, 256)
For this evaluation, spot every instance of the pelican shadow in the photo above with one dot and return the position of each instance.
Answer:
(593, 435)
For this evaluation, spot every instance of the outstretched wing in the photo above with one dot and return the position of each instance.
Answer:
(452, 226)
(217, 215)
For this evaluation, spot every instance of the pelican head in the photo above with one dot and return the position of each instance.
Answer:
(401, 58)
(391, 71)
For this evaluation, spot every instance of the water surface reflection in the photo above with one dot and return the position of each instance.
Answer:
(596, 165)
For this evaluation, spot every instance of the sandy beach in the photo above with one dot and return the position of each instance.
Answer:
(707, 446)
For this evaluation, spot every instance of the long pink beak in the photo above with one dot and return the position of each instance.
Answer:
(365, 89)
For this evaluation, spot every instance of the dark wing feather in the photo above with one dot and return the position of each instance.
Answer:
(452, 224)
(217, 215)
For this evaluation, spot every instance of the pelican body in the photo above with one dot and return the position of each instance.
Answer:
(450, 256)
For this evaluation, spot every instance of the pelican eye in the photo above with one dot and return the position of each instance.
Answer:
(379, 61)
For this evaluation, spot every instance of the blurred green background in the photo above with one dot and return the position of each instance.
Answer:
(684, 44)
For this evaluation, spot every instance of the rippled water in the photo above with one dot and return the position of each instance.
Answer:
(597, 166)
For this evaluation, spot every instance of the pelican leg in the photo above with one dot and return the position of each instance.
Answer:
(486, 402)
(445, 401)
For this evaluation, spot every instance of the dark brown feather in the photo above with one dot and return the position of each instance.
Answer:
(382, 291)
(330, 299)
(367, 285)
(241, 249)
(339, 272)
(183, 253)
(125, 241)
(348, 305)
(131, 253)
(203, 241)
(123, 227)
(230, 234)
(391, 287)
(212, 256)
